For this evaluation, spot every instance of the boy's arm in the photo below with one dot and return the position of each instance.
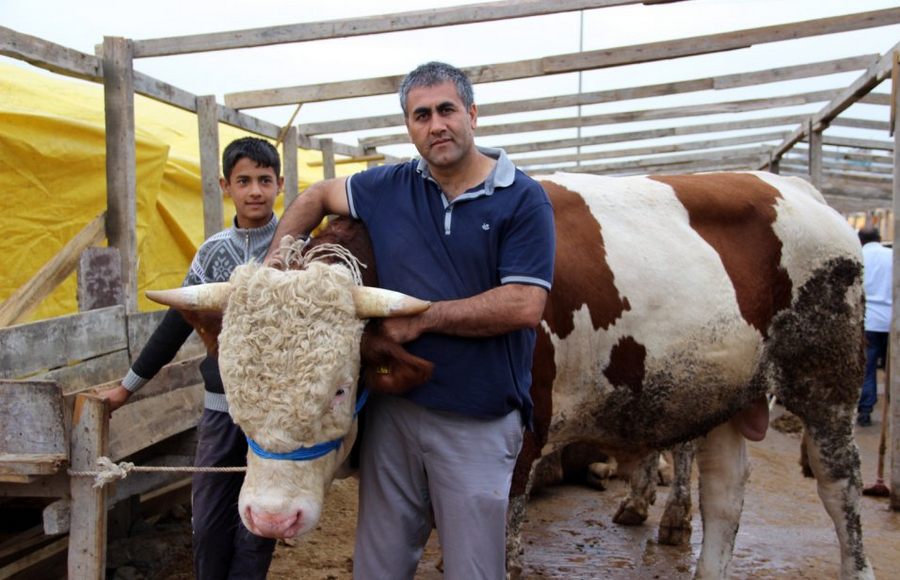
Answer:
(307, 211)
(161, 348)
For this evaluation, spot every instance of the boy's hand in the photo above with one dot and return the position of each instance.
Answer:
(116, 396)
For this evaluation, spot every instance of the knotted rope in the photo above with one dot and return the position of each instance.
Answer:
(108, 472)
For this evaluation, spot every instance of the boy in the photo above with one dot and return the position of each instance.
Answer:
(223, 547)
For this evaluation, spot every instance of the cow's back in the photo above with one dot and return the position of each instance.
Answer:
(666, 294)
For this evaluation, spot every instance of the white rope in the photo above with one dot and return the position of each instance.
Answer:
(108, 471)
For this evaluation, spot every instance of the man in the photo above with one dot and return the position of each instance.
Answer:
(878, 280)
(464, 228)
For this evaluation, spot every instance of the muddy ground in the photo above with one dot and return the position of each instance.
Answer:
(569, 533)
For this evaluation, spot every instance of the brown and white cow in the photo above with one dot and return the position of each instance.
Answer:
(678, 303)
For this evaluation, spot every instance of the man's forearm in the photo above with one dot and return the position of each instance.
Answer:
(497, 311)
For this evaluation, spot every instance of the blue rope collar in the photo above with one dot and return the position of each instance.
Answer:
(308, 453)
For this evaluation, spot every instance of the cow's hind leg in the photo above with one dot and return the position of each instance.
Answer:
(723, 470)
(834, 460)
(641, 494)
(675, 524)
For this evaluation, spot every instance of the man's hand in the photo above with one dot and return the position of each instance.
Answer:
(116, 397)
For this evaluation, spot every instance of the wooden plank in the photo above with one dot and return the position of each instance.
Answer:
(176, 375)
(652, 150)
(35, 558)
(746, 79)
(572, 62)
(739, 106)
(147, 482)
(90, 439)
(93, 371)
(894, 350)
(45, 281)
(142, 423)
(43, 486)
(53, 343)
(99, 279)
(141, 327)
(860, 124)
(208, 126)
(291, 170)
(121, 180)
(858, 143)
(348, 160)
(681, 130)
(49, 56)
(724, 155)
(869, 79)
(33, 463)
(375, 24)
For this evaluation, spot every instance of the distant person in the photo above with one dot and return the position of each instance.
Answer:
(223, 547)
(878, 278)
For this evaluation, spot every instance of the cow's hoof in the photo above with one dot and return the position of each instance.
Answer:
(630, 514)
(674, 536)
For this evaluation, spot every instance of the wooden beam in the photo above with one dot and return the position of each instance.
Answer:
(328, 169)
(894, 350)
(51, 274)
(870, 79)
(138, 425)
(347, 160)
(290, 164)
(35, 557)
(375, 24)
(652, 150)
(746, 79)
(121, 168)
(90, 438)
(577, 61)
(49, 56)
(208, 127)
(858, 143)
(815, 156)
(99, 278)
(52, 343)
(514, 148)
(740, 106)
(725, 155)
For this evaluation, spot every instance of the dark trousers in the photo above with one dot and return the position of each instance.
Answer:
(223, 547)
(876, 348)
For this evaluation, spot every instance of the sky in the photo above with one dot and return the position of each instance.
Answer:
(82, 25)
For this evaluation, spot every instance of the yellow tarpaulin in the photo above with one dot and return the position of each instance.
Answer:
(52, 167)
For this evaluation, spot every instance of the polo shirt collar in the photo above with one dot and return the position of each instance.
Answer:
(503, 174)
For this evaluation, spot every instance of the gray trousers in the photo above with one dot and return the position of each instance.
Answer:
(417, 464)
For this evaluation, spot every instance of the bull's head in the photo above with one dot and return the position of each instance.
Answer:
(289, 355)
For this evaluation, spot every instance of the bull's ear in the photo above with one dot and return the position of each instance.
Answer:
(380, 303)
(212, 296)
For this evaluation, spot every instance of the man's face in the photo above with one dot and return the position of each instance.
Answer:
(253, 190)
(439, 125)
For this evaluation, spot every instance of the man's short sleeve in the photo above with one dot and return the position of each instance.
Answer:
(362, 191)
(528, 249)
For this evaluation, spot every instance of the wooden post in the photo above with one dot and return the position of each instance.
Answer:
(213, 207)
(328, 171)
(99, 279)
(87, 542)
(815, 156)
(373, 151)
(774, 164)
(121, 180)
(289, 162)
(894, 350)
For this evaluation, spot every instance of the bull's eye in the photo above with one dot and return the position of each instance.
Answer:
(340, 395)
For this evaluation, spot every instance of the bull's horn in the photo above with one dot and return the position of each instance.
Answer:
(380, 303)
(212, 296)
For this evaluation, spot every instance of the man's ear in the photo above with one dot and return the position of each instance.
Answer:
(226, 187)
(473, 115)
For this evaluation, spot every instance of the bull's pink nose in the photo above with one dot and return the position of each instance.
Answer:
(273, 525)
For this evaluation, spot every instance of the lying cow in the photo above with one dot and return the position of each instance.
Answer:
(678, 303)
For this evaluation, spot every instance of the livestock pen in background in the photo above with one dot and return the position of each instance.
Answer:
(49, 421)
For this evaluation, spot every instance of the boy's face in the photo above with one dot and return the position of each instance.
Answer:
(253, 190)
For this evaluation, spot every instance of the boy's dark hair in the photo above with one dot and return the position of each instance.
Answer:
(258, 150)
(869, 234)
(434, 73)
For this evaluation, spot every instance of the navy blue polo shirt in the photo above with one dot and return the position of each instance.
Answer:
(499, 232)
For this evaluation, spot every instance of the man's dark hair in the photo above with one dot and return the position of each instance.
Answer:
(257, 150)
(869, 234)
(434, 73)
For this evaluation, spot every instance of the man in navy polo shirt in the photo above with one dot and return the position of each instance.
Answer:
(463, 228)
